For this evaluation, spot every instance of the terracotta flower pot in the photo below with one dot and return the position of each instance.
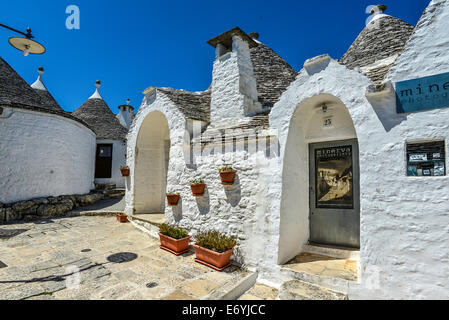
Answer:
(177, 247)
(198, 189)
(122, 219)
(227, 177)
(125, 172)
(173, 199)
(212, 259)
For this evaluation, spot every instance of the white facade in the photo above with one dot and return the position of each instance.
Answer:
(43, 154)
(404, 243)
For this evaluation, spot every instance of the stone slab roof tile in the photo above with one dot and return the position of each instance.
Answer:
(273, 75)
(194, 105)
(382, 38)
(96, 113)
(15, 90)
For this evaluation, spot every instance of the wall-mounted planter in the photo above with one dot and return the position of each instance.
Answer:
(198, 189)
(173, 199)
(125, 172)
(227, 177)
(122, 218)
(212, 259)
(175, 246)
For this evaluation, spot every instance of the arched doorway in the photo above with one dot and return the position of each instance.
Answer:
(151, 164)
(320, 180)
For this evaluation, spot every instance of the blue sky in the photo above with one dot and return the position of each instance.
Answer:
(134, 44)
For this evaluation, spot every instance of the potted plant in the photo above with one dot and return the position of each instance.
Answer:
(122, 217)
(198, 187)
(214, 249)
(125, 171)
(174, 239)
(227, 175)
(172, 198)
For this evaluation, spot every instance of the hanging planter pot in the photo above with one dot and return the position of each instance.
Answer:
(198, 189)
(227, 176)
(173, 199)
(198, 186)
(125, 171)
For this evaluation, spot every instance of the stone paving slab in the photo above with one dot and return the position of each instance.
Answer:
(261, 292)
(47, 261)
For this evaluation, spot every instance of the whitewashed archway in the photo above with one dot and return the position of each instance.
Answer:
(306, 127)
(151, 164)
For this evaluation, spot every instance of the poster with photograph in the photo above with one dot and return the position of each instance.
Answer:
(334, 178)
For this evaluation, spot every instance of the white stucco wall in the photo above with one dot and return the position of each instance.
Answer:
(118, 160)
(234, 91)
(414, 261)
(42, 154)
(404, 233)
(297, 124)
(139, 187)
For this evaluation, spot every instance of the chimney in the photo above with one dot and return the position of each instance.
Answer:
(234, 90)
(126, 114)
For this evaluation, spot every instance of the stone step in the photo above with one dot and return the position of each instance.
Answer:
(301, 290)
(148, 223)
(112, 193)
(333, 251)
(101, 187)
(324, 271)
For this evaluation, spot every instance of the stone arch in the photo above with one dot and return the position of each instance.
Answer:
(306, 126)
(151, 160)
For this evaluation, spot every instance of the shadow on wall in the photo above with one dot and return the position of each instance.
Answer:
(203, 202)
(384, 105)
(177, 211)
(234, 192)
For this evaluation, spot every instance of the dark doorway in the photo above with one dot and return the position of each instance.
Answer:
(103, 163)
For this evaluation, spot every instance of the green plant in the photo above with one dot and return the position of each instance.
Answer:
(215, 241)
(122, 214)
(124, 167)
(171, 193)
(226, 169)
(173, 231)
(198, 181)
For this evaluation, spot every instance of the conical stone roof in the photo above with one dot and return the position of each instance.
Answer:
(46, 97)
(377, 47)
(14, 91)
(96, 113)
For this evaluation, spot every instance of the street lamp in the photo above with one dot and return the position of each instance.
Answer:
(25, 44)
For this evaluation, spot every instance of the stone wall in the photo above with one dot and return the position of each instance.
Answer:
(45, 207)
(43, 155)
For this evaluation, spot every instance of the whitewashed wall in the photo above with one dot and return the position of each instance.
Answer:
(135, 188)
(297, 125)
(413, 211)
(118, 160)
(404, 224)
(43, 155)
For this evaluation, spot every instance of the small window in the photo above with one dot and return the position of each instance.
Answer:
(426, 159)
(105, 151)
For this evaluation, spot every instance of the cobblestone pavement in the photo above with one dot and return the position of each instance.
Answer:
(115, 261)
(261, 292)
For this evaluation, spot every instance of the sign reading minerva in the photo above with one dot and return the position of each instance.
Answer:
(423, 93)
